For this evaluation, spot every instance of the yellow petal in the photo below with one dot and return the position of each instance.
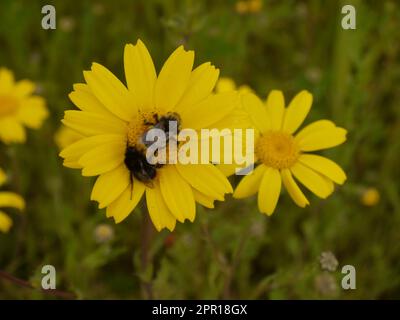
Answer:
(111, 92)
(11, 131)
(126, 202)
(110, 185)
(158, 210)
(209, 111)
(84, 99)
(201, 83)
(297, 111)
(323, 139)
(245, 89)
(11, 200)
(173, 79)
(32, 112)
(270, 189)
(24, 88)
(250, 184)
(66, 136)
(324, 166)
(73, 152)
(6, 80)
(72, 164)
(314, 127)
(103, 158)
(206, 178)
(5, 222)
(225, 84)
(140, 73)
(90, 124)
(237, 118)
(275, 105)
(256, 110)
(312, 180)
(293, 189)
(177, 194)
(203, 199)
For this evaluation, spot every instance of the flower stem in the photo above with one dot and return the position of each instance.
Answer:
(146, 236)
(23, 283)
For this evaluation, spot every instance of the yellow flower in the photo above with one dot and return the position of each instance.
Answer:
(113, 118)
(241, 7)
(370, 197)
(8, 199)
(66, 136)
(255, 5)
(247, 6)
(227, 85)
(18, 108)
(284, 156)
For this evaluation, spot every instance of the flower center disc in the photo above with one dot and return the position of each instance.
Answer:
(277, 150)
(8, 106)
(138, 127)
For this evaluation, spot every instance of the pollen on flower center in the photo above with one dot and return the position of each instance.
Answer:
(138, 126)
(277, 149)
(8, 106)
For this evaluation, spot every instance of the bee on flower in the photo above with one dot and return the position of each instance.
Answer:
(113, 118)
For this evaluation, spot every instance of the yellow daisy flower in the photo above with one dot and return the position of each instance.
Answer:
(113, 119)
(241, 7)
(246, 6)
(8, 199)
(370, 197)
(66, 136)
(284, 154)
(255, 5)
(18, 108)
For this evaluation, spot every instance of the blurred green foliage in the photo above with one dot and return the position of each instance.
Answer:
(233, 251)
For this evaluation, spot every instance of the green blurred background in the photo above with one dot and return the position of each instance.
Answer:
(232, 251)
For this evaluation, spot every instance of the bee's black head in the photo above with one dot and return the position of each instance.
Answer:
(137, 164)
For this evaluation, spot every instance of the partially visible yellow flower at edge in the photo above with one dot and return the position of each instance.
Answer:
(283, 153)
(255, 6)
(370, 197)
(248, 6)
(19, 108)
(8, 200)
(66, 136)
